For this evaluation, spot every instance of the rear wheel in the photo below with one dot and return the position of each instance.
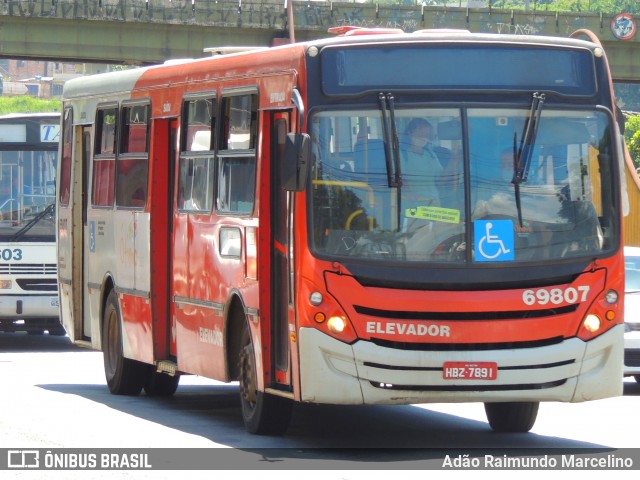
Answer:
(124, 376)
(262, 413)
(511, 417)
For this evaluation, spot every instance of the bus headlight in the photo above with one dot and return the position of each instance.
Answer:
(5, 284)
(336, 324)
(592, 323)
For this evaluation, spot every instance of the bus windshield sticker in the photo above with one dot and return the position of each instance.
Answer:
(493, 240)
(435, 214)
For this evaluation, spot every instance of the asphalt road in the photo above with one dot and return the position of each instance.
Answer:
(54, 397)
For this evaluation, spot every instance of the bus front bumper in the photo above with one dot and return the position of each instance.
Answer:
(28, 306)
(364, 373)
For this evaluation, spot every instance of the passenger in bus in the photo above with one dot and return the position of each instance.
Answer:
(420, 166)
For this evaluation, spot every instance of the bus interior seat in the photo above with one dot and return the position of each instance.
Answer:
(370, 157)
(370, 166)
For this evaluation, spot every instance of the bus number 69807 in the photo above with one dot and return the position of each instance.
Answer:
(556, 296)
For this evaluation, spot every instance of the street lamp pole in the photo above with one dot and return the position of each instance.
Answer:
(289, 6)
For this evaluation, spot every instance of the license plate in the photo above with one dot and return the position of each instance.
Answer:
(470, 370)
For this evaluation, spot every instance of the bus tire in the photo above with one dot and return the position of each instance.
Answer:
(57, 331)
(124, 376)
(511, 417)
(158, 384)
(262, 413)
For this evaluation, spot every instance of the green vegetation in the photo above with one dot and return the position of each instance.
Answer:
(632, 138)
(27, 104)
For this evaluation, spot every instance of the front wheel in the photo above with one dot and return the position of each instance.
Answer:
(124, 376)
(57, 331)
(262, 413)
(511, 417)
(158, 384)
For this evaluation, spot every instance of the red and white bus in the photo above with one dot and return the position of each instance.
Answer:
(258, 217)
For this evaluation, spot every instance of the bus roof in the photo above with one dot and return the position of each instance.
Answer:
(13, 116)
(451, 35)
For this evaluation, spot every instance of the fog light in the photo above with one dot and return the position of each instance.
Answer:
(592, 323)
(611, 296)
(336, 324)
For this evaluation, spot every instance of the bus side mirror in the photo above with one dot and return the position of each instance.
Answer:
(297, 155)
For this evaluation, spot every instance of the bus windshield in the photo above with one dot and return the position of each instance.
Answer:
(27, 195)
(462, 195)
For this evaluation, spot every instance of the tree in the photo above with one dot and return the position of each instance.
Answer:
(632, 138)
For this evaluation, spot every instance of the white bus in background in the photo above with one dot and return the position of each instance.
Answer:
(28, 272)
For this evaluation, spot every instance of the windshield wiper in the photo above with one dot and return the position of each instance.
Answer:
(391, 148)
(20, 233)
(522, 158)
(528, 140)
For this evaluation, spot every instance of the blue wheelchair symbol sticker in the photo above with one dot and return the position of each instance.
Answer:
(493, 240)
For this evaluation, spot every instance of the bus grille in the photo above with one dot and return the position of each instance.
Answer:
(38, 284)
(457, 347)
(28, 269)
(458, 316)
(462, 316)
(471, 388)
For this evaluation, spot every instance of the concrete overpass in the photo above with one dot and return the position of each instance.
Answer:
(152, 31)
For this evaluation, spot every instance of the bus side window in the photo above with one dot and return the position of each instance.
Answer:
(104, 160)
(65, 161)
(195, 189)
(237, 163)
(195, 171)
(133, 159)
(131, 187)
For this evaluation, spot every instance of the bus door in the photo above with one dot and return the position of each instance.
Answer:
(172, 154)
(162, 178)
(85, 136)
(71, 231)
(282, 312)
